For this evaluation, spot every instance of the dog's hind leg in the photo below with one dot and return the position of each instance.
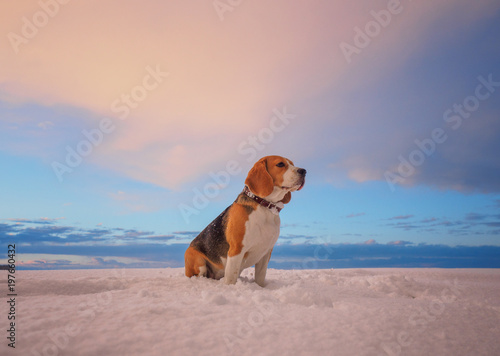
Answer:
(195, 263)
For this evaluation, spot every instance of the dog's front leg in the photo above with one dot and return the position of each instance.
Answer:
(261, 269)
(233, 268)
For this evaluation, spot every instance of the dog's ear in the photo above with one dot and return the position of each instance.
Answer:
(287, 198)
(259, 180)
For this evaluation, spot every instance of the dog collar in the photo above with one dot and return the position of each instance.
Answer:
(275, 208)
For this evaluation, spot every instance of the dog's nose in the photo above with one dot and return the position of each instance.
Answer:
(301, 171)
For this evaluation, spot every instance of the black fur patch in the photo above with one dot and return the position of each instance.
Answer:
(212, 240)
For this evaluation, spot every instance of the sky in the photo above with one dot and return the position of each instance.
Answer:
(127, 127)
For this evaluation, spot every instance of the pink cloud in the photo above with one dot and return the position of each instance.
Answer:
(224, 78)
(32, 262)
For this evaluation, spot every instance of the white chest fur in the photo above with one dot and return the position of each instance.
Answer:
(261, 233)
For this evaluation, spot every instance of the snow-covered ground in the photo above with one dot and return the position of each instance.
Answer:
(305, 312)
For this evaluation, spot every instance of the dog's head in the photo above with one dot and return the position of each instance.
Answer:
(274, 178)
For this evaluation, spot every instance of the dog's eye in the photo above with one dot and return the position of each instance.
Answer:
(281, 164)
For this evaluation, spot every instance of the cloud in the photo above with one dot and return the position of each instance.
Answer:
(401, 217)
(400, 243)
(64, 247)
(288, 256)
(186, 233)
(7, 229)
(355, 215)
(220, 89)
(472, 223)
(475, 216)
(294, 238)
(403, 254)
(46, 232)
(45, 221)
(184, 126)
(481, 217)
(135, 201)
(492, 224)
(54, 261)
(45, 124)
(143, 255)
(466, 160)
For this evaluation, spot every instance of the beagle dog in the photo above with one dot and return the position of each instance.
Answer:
(244, 234)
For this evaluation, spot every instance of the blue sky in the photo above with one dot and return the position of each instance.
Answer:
(114, 133)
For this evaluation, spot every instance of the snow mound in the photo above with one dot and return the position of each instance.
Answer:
(303, 312)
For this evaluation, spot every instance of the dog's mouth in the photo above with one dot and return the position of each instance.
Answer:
(295, 187)
(302, 184)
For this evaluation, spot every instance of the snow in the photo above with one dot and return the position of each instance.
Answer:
(299, 312)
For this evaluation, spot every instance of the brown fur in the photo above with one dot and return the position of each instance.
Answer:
(194, 260)
(259, 180)
(235, 231)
